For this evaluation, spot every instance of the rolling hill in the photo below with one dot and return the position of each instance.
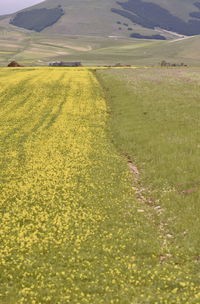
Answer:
(40, 49)
(110, 18)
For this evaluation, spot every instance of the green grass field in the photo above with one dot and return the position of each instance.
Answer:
(155, 123)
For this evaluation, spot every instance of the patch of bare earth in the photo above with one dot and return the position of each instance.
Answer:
(151, 208)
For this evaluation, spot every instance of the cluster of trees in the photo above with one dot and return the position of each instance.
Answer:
(126, 25)
(168, 64)
(139, 36)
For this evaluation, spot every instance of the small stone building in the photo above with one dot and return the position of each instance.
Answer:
(65, 64)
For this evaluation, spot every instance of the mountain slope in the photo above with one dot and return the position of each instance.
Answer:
(116, 18)
(152, 15)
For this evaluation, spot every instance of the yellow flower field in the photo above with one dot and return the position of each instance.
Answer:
(69, 228)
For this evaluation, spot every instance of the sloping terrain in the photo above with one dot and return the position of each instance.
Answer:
(152, 15)
(113, 18)
(40, 49)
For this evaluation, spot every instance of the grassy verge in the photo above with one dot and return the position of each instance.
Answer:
(155, 123)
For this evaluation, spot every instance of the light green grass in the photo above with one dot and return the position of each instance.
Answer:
(88, 50)
(95, 50)
(155, 123)
(21, 45)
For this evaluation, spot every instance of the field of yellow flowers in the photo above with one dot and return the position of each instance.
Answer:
(71, 230)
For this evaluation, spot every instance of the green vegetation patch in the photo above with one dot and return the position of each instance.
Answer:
(155, 126)
(139, 36)
(37, 19)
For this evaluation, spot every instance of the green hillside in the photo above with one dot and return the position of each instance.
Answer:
(113, 18)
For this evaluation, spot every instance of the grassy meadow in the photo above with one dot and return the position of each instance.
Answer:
(155, 124)
(38, 49)
(77, 226)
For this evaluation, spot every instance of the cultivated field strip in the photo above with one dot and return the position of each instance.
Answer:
(70, 230)
(58, 186)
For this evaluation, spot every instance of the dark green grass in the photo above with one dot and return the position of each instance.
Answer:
(155, 122)
(37, 19)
